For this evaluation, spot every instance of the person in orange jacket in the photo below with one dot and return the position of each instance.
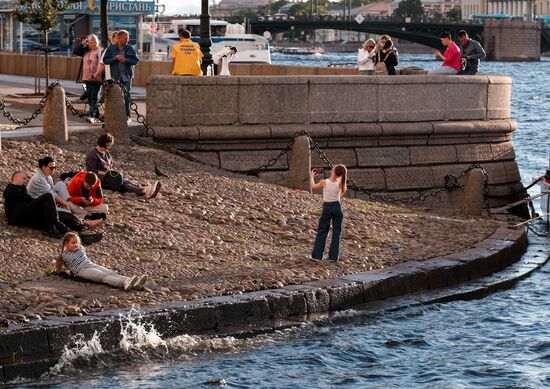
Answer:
(85, 191)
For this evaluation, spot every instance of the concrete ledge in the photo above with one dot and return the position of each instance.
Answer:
(46, 339)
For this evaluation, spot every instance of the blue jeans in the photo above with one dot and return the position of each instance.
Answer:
(331, 211)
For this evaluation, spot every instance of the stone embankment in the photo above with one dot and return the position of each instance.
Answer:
(211, 234)
(400, 135)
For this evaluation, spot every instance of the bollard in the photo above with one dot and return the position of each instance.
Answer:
(473, 202)
(55, 117)
(299, 164)
(116, 121)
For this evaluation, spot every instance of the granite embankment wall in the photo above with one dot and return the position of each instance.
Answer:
(66, 68)
(399, 134)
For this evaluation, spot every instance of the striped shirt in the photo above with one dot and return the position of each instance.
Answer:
(76, 260)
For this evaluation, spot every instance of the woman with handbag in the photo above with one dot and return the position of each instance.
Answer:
(90, 51)
(100, 161)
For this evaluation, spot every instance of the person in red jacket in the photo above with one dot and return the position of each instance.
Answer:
(451, 58)
(85, 191)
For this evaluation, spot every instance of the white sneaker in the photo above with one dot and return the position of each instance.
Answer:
(90, 119)
(130, 281)
(129, 120)
(139, 283)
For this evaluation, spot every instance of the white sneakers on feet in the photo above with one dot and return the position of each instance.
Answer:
(130, 282)
(151, 191)
(140, 282)
(90, 119)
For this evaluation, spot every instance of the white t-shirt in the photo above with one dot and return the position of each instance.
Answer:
(107, 67)
(331, 191)
(365, 60)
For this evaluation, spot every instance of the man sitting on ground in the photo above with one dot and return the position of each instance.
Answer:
(24, 211)
(85, 191)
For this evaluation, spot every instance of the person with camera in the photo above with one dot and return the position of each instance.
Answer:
(100, 162)
(91, 54)
(334, 188)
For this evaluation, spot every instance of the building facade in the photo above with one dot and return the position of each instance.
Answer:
(473, 7)
(514, 8)
(79, 19)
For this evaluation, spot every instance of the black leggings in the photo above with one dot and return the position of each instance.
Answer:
(40, 213)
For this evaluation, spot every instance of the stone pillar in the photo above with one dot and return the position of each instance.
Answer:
(299, 164)
(473, 202)
(116, 121)
(512, 40)
(55, 117)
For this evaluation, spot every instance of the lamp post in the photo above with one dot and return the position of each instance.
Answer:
(205, 41)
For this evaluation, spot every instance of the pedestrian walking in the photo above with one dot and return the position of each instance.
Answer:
(334, 188)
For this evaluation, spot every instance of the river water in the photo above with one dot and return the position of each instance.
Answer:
(500, 341)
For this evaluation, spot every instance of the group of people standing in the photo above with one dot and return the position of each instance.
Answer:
(97, 65)
(378, 58)
(71, 205)
(382, 57)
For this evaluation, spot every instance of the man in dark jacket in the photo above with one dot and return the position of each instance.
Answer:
(121, 58)
(24, 211)
(471, 51)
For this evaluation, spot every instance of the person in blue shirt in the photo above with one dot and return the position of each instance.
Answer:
(121, 59)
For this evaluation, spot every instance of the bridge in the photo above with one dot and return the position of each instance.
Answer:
(422, 32)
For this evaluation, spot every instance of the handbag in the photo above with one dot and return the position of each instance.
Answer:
(112, 180)
(380, 68)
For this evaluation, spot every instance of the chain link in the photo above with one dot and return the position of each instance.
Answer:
(25, 122)
(452, 182)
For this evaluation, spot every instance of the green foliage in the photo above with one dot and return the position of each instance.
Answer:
(409, 9)
(455, 13)
(41, 14)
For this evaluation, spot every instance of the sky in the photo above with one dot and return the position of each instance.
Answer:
(174, 7)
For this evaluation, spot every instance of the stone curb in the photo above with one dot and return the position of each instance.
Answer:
(29, 350)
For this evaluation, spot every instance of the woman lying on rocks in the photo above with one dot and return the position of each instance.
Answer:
(42, 182)
(73, 257)
(100, 161)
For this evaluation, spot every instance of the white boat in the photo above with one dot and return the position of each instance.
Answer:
(299, 50)
(251, 48)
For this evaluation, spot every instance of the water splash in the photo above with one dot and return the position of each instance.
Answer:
(81, 351)
(137, 336)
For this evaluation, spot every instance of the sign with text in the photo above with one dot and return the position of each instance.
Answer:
(113, 7)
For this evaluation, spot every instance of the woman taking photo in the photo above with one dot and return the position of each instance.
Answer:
(90, 51)
(333, 189)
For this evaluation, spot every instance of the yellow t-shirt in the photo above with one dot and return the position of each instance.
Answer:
(187, 55)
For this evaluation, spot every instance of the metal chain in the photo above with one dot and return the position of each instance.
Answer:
(452, 182)
(75, 110)
(25, 122)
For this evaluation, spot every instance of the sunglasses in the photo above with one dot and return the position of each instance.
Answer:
(51, 167)
(370, 47)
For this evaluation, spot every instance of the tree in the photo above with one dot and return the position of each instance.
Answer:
(103, 23)
(42, 15)
(455, 13)
(409, 9)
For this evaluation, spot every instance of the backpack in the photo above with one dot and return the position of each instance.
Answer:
(380, 68)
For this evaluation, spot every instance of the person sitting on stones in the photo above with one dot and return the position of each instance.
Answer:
(100, 161)
(42, 182)
(451, 58)
(24, 211)
(73, 257)
(85, 191)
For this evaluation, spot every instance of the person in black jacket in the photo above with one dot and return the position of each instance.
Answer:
(388, 57)
(24, 211)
